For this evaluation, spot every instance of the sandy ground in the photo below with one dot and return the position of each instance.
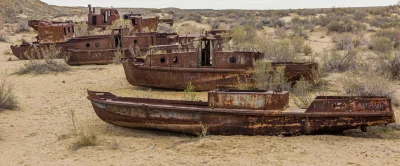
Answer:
(41, 132)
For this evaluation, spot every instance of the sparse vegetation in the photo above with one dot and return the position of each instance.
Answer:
(307, 50)
(203, 133)
(340, 60)
(302, 93)
(118, 54)
(3, 37)
(382, 45)
(363, 85)
(48, 64)
(190, 93)
(165, 28)
(7, 98)
(268, 78)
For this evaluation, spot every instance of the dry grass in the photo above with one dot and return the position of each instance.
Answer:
(48, 64)
(118, 54)
(268, 78)
(190, 93)
(3, 38)
(340, 61)
(165, 28)
(86, 135)
(7, 97)
(81, 29)
(302, 93)
(381, 45)
(364, 85)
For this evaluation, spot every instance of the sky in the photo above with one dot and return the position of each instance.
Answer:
(224, 4)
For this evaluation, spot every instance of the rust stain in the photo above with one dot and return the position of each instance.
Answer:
(229, 118)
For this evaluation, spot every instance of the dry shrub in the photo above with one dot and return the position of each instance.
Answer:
(345, 26)
(307, 50)
(1, 23)
(243, 38)
(190, 29)
(165, 28)
(302, 93)
(22, 27)
(81, 29)
(85, 135)
(85, 138)
(381, 45)
(7, 97)
(343, 41)
(280, 33)
(190, 93)
(340, 60)
(388, 64)
(268, 78)
(3, 38)
(362, 85)
(47, 65)
(118, 54)
(297, 42)
(120, 23)
(392, 34)
(277, 51)
(300, 31)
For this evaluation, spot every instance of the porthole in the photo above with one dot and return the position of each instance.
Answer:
(175, 60)
(87, 45)
(232, 59)
(162, 60)
(96, 44)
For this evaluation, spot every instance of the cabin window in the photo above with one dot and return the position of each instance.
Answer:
(232, 59)
(175, 60)
(162, 60)
(97, 44)
(111, 13)
(135, 41)
(88, 45)
(73, 29)
(133, 21)
(65, 31)
(69, 29)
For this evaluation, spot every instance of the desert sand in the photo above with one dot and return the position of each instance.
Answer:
(41, 132)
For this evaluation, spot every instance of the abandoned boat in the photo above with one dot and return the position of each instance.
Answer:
(99, 49)
(232, 112)
(206, 67)
(107, 16)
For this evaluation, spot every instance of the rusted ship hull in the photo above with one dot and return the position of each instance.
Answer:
(197, 117)
(33, 51)
(204, 79)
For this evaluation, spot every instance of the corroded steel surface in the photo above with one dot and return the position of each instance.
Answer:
(139, 23)
(104, 18)
(233, 99)
(53, 32)
(177, 70)
(195, 117)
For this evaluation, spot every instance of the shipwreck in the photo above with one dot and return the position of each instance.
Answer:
(231, 112)
(108, 16)
(206, 66)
